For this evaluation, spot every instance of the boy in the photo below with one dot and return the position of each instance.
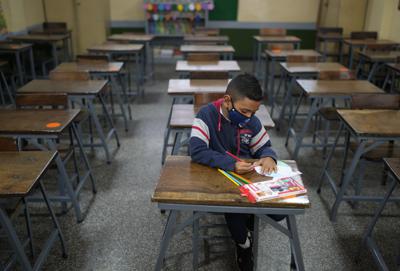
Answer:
(229, 124)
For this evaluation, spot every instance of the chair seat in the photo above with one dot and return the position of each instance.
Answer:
(386, 150)
(329, 113)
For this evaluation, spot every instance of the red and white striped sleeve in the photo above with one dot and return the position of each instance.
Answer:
(259, 140)
(200, 130)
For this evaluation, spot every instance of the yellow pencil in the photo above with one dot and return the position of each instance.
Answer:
(227, 176)
(240, 177)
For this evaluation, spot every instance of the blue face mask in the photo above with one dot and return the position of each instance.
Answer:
(237, 118)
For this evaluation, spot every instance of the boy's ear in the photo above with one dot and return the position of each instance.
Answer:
(227, 99)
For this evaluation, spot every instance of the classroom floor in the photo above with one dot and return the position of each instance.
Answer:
(123, 227)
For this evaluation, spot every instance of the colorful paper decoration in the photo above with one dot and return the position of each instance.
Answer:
(180, 7)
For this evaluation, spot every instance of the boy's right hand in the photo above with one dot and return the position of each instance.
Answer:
(243, 167)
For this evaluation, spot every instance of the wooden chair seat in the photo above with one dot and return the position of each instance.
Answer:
(386, 150)
(329, 113)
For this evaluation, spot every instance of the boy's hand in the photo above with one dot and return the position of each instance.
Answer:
(243, 167)
(267, 164)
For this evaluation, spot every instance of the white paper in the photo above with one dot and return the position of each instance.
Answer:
(283, 171)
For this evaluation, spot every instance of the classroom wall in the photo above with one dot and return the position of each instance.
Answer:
(127, 10)
(22, 14)
(383, 16)
(303, 11)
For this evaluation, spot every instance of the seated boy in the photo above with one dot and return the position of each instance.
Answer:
(229, 124)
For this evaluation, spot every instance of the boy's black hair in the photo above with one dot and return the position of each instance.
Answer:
(245, 85)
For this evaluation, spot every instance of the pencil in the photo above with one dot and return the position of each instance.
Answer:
(234, 156)
(240, 177)
(236, 182)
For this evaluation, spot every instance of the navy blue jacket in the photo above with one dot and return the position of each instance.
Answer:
(212, 135)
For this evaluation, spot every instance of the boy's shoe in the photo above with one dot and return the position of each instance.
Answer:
(244, 258)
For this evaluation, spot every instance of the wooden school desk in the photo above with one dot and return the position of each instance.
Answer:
(394, 71)
(377, 59)
(111, 70)
(293, 71)
(181, 121)
(261, 41)
(331, 38)
(17, 50)
(82, 93)
(199, 39)
(323, 93)
(370, 128)
(362, 44)
(31, 125)
(274, 56)
(51, 39)
(225, 50)
(183, 67)
(141, 39)
(132, 51)
(198, 189)
(393, 166)
(20, 173)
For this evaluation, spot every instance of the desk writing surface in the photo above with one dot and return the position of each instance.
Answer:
(131, 37)
(182, 116)
(200, 38)
(184, 182)
(207, 49)
(117, 48)
(389, 56)
(371, 122)
(284, 53)
(394, 166)
(207, 66)
(337, 87)
(191, 86)
(40, 37)
(70, 87)
(24, 121)
(110, 67)
(19, 171)
(14, 46)
(277, 39)
(394, 66)
(364, 42)
(315, 67)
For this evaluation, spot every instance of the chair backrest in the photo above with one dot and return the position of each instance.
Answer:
(8, 144)
(202, 57)
(375, 101)
(280, 46)
(55, 27)
(117, 42)
(326, 30)
(272, 32)
(92, 59)
(301, 59)
(73, 75)
(336, 75)
(201, 99)
(34, 101)
(364, 35)
(208, 75)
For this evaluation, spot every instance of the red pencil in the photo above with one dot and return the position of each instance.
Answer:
(234, 156)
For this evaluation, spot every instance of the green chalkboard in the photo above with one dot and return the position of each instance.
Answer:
(225, 10)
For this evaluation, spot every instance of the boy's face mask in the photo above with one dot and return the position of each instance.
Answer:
(236, 117)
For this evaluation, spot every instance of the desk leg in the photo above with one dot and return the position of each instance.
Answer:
(54, 52)
(259, 46)
(372, 72)
(367, 238)
(54, 219)
(341, 51)
(125, 95)
(286, 101)
(272, 89)
(168, 233)
(292, 119)
(295, 242)
(14, 241)
(347, 179)
(254, 56)
(120, 101)
(32, 63)
(19, 68)
(195, 242)
(351, 56)
(387, 78)
(255, 240)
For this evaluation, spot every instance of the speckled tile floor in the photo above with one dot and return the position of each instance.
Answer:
(123, 228)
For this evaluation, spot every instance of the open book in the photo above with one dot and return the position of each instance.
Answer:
(272, 189)
(284, 171)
